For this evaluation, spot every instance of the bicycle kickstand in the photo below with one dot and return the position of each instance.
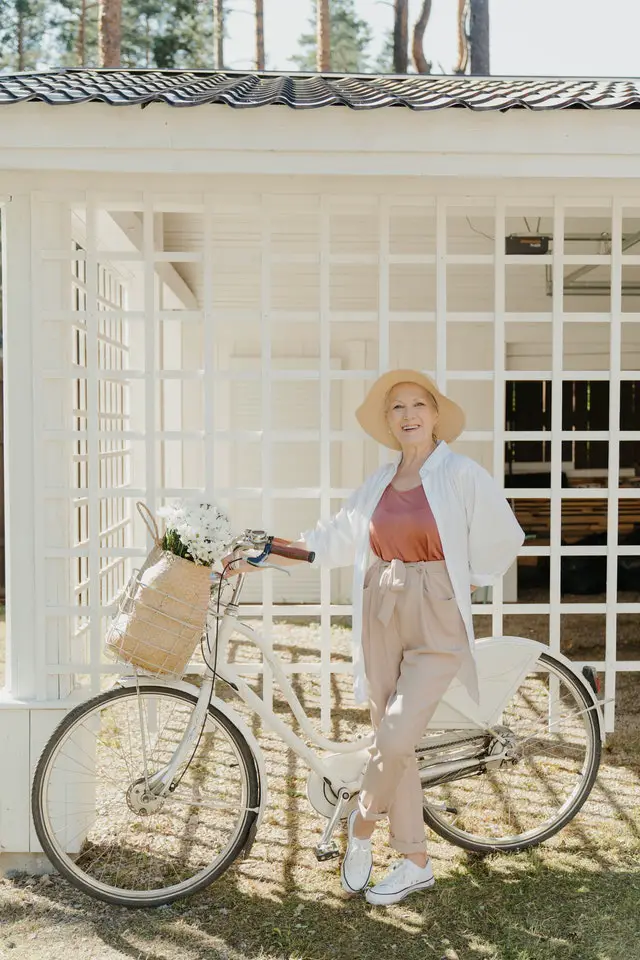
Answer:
(327, 848)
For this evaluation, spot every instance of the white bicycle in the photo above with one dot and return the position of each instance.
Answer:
(149, 791)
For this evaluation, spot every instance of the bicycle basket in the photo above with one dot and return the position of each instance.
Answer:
(161, 614)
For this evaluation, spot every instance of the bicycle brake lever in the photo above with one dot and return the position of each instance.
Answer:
(274, 566)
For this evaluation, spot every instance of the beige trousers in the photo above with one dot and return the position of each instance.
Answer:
(414, 642)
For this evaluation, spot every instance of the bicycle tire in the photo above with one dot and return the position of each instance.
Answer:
(459, 839)
(65, 865)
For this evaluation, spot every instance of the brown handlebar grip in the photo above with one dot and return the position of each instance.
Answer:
(294, 553)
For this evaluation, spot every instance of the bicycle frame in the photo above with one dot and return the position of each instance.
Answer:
(464, 719)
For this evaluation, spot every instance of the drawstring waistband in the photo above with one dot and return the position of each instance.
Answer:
(392, 582)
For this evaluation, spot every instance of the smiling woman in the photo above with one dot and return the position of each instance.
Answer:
(415, 611)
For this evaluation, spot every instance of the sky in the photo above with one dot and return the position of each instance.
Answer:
(528, 37)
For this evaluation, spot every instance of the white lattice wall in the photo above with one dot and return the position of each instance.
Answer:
(219, 343)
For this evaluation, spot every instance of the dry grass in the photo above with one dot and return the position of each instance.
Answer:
(575, 898)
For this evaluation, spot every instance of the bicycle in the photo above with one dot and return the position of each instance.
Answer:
(150, 791)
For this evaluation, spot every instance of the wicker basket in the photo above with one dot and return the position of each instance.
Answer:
(162, 611)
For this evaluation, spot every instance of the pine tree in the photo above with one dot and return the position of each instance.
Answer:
(480, 58)
(218, 32)
(22, 32)
(110, 33)
(84, 30)
(383, 63)
(167, 34)
(142, 24)
(73, 29)
(323, 36)
(259, 34)
(401, 36)
(350, 40)
(421, 63)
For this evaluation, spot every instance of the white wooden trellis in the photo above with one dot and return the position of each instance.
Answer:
(102, 451)
(120, 308)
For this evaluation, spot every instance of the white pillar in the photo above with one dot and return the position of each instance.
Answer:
(19, 450)
(26, 718)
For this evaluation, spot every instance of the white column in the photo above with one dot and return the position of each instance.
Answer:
(24, 725)
(37, 450)
(613, 481)
(19, 449)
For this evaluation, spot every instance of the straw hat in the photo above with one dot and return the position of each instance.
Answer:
(371, 414)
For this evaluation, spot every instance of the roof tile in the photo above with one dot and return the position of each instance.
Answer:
(301, 91)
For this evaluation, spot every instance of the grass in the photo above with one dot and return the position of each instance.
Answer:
(575, 898)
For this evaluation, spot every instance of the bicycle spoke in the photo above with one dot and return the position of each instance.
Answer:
(527, 797)
(100, 824)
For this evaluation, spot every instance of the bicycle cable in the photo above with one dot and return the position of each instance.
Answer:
(213, 669)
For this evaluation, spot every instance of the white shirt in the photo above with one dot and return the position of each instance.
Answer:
(479, 533)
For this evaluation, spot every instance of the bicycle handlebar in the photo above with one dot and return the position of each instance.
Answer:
(282, 548)
(271, 545)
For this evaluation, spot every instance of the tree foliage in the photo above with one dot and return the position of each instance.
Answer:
(155, 33)
(22, 34)
(350, 39)
(383, 62)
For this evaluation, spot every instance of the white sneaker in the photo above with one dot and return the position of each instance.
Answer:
(356, 867)
(405, 877)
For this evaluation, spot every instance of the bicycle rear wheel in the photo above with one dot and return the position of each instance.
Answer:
(91, 816)
(556, 745)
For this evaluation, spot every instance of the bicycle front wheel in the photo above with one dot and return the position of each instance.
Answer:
(94, 822)
(554, 737)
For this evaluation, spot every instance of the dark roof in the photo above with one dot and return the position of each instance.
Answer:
(189, 88)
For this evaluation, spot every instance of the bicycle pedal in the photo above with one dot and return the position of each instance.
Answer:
(327, 851)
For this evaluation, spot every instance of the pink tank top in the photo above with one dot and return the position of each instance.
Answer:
(403, 526)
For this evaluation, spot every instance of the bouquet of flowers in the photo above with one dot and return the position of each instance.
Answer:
(196, 531)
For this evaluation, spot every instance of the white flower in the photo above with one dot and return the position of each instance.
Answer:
(203, 529)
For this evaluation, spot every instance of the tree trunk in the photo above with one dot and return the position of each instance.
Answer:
(421, 63)
(323, 46)
(463, 40)
(401, 36)
(218, 30)
(110, 32)
(259, 34)
(479, 30)
(147, 41)
(81, 43)
(20, 37)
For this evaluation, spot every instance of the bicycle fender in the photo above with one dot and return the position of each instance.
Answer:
(237, 721)
(571, 665)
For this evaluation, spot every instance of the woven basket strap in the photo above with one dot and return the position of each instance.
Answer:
(150, 521)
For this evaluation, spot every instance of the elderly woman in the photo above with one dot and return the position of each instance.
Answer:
(438, 525)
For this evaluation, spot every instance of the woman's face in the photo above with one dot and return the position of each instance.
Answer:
(411, 415)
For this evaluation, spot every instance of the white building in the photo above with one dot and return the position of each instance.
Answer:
(196, 299)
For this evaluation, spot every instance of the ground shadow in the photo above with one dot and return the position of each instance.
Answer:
(511, 908)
